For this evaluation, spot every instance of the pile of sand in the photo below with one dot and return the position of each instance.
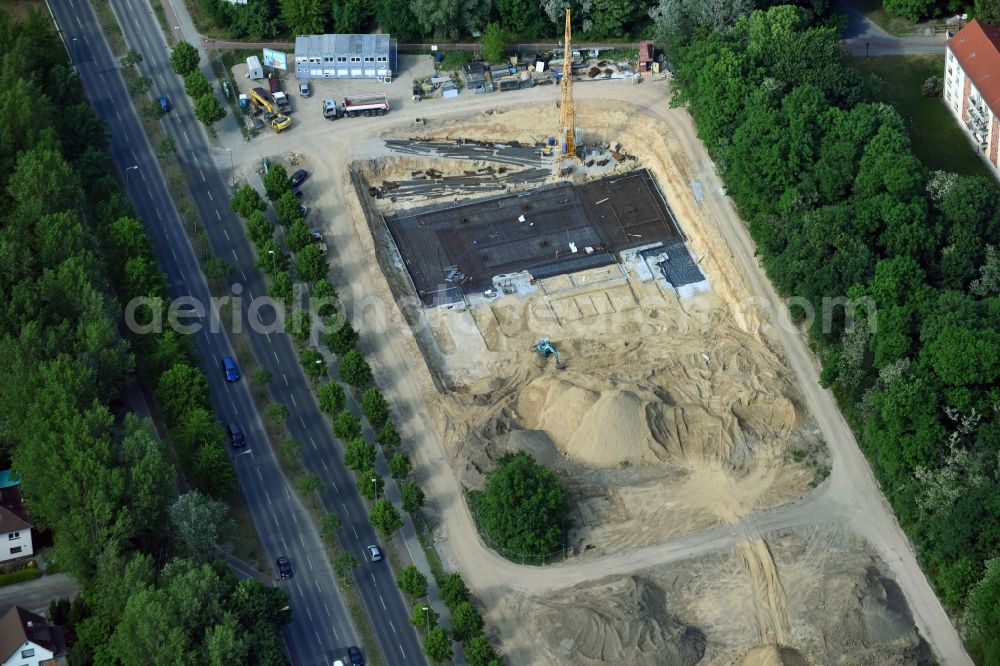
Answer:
(622, 621)
(773, 655)
(603, 422)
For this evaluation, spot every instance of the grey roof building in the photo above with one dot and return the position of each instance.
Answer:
(344, 57)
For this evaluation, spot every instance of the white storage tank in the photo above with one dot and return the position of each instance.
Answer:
(254, 70)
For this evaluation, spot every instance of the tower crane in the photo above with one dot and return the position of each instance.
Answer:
(567, 114)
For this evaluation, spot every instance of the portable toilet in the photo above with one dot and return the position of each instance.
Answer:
(244, 101)
(254, 70)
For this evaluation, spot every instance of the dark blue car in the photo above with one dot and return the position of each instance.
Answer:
(164, 104)
(229, 367)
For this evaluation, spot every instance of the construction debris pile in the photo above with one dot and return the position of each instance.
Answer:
(432, 184)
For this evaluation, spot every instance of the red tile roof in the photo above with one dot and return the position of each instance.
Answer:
(977, 47)
(11, 522)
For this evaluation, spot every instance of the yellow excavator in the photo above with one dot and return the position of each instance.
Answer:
(261, 99)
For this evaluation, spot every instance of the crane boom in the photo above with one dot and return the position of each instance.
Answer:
(567, 115)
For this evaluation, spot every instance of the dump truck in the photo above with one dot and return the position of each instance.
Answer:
(356, 105)
(281, 100)
(274, 83)
(317, 238)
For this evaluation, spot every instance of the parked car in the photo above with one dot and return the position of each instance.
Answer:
(375, 553)
(297, 192)
(354, 654)
(299, 177)
(305, 90)
(236, 435)
(284, 567)
(164, 103)
(229, 367)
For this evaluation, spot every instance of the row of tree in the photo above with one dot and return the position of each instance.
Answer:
(309, 268)
(184, 60)
(94, 476)
(839, 207)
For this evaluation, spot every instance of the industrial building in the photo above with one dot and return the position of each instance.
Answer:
(972, 85)
(345, 57)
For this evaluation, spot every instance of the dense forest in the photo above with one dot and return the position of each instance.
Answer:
(96, 479)
(839, 206)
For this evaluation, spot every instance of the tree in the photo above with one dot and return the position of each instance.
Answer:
(212, 473)
(323, 298)
(375, 407)
(271, 259)
(181, 389)
(387, 437)
(339, 336)
(200, 523)
(311, 484)
(370, 484)
(184, 59)
(196, 85)
(400, 465)
(131, 58)
(208, 110)
(424, 619)
(331, 398)
(397, 18)
(313, 364)
(523, 508)
(385, 518)
(347, 426)
(412, 582)
(448, 19)
(310, 264)
(982, 616)
(354, 369)
(478, 651)
(329, 527)
(287, 209)
(437, 646)
(246, 201)
(298, 238)
(453, 590)
(413, 497)
(217, 269)
(276, 413)
(466, 622)
(988, 283)
(914, 10)
(349, 16)
(261, 377)
(276, 182)
(493, 40)
(298, 325)
(280, 287)
(290, 451)
(260, 230)
(303, 17)
(359, 455)
(142, 85)
(344, 564)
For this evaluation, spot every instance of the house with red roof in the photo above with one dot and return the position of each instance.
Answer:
(972, 85)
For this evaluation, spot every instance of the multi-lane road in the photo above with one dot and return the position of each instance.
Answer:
(320, 629)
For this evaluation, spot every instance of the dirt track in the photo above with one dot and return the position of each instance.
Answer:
(850, 496)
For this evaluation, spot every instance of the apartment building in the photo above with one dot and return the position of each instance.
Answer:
(972, 85)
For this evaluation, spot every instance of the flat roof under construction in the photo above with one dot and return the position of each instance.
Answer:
(560, 228)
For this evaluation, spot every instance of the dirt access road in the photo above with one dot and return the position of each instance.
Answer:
(850, 496)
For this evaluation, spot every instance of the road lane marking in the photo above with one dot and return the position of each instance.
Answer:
(318, 639)
(202, 175)
(302, 420)
(144, 41)
(283, 374)
(252, 297)
(293, 401)
(346, 512)
(227, 234)
(275, 356)
(393, 627)
(209, 193)
(324, 466)
(381, 599)
(143, 174)
(329, 614)
(118, 115)
(186, 137)
(235, 408)
(402, 650)
(174, 253)
(309, 562)
(134, 156)
(266, 494)
(295, 519)
(158, 216)
(309, 613)
(302, 539)
(242, 272)
(234, 256)
(79, 22)
(259, 475)
(275, 516)
(103, 80)
(220, 219)
(357, 536)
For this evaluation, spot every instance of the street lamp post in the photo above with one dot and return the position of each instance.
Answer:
(127, 169)
(274, 261)
(427, 614)
(375, 486)
(232, 172)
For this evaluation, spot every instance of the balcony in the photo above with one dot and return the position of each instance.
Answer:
(978, 118)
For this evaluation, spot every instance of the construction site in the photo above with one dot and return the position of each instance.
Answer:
(556, 275)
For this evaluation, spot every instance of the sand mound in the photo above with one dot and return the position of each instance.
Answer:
(773, 655)
(623, 621)
(604, 423)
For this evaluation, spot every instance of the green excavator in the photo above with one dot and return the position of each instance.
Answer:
(546, 349)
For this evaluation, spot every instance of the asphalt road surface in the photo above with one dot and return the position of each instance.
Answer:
(320, 629)
(35, 595)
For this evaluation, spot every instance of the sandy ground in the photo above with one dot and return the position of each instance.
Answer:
(727, 480)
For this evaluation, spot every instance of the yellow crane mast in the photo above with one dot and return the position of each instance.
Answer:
(567, 116)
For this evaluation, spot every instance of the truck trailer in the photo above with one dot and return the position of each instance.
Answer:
(356, 105)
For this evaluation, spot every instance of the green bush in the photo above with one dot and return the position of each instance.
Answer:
(18, 576)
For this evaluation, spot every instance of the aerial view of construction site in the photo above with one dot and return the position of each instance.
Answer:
(570, 394)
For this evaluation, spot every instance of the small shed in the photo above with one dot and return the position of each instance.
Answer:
(254, 70)
(646, 56)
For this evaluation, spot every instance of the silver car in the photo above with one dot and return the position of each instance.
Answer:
(305, 90)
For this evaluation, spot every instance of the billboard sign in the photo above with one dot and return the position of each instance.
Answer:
(275, 59)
